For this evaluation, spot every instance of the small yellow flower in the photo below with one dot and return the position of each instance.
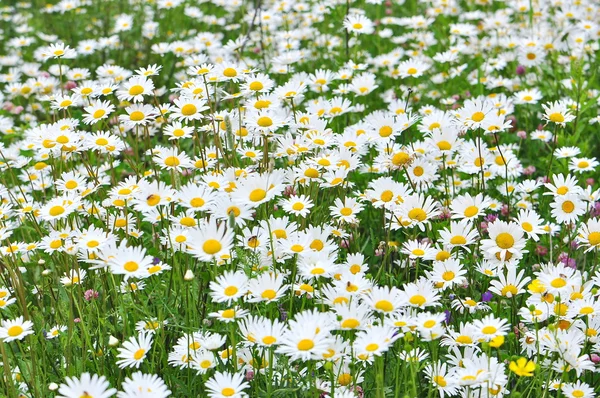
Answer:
(497, 341)
(522, 367)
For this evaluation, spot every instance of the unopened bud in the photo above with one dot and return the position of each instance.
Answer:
(189, 275)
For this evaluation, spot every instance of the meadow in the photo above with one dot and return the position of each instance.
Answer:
(299, 198)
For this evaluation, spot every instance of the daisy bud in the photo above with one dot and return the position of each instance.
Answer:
(52, 386)
(46, 272)
(189, 275)
(41, 261)
(112, 341)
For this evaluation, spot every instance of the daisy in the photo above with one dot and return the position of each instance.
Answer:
(15, 329)
(461, 234)
(469, 207)
(176, 131)
(567, 208)
(226, 385)
(267, 287)
(384, 299)
(447, 274)
(259, 188)
(417, 209)
(589, 234)
(531, 223)
(578, 389)
(138, 115)
(98, 110)
(59, 208)
(65, 101)
(266, 121)
(211, 241)
(308, 336)
(420, 294)
(259, 83)
(490, 327)
(510, 284)
(506, 242)
(135, 89)
(531, 96)
(563, 185)
(557, 112)
(132, 262)
(86, 386)
(229, 287)
(172, 159)
(59, 50)
(473, 113)
(374, 341)
(188, 109)
(412, 68)
(143, 385)
(581, 165)
(232, 314)
(418, 250)
(346, 210)
(134, 351)
(357, 23)
(297, 205)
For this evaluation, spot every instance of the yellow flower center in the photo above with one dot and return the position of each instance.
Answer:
(56, 211)
(264, 121)
(305, 344)
(417, 299)
(139, 354)
(257, 195)
(14, 331)
(136, 90)
(231, 291)
(212, 246)
(489, 330)
(188, 109)
(269, 294)
(227, 392)
(568, 206)
(417, 214)
(478, 116)
(131, 266)
(136, 116)
(505, 240)
(594, 238)
(256, 86)
(384, 305)
(230, 72)
(99, 113)
(556, 117)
